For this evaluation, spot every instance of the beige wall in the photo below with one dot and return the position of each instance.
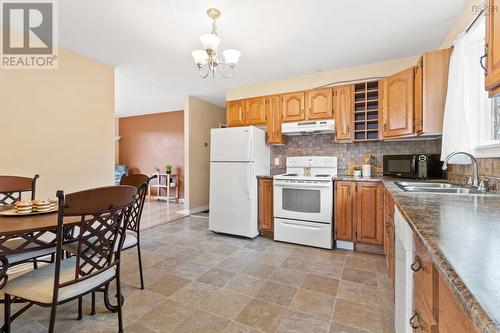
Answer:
(466, 17)
(305, 82)
(59, 124)
(199, 118)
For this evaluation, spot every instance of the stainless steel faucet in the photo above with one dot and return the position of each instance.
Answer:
(475, 173)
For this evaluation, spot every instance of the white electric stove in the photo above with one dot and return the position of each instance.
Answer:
(303, 201)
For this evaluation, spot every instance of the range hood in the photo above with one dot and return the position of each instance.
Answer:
(308, 127)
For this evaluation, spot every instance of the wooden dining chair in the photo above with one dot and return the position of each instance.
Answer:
(11, 189)
(103, 214)
(132, 239)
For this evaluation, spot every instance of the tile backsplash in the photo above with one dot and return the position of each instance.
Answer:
(323, 145)
(488, 167)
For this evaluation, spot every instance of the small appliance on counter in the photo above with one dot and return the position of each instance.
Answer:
(303, 201)
(417, 166)
(237, 155)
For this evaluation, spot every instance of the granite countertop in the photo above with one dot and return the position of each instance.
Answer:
(358, 179)
(462, 235)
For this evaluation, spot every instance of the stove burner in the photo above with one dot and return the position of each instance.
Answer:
(323, 176)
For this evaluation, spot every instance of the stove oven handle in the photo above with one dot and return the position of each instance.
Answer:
(303, 185)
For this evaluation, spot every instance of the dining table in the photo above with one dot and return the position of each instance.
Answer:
(34, 232)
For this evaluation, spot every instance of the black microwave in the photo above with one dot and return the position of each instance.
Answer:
(418, 166)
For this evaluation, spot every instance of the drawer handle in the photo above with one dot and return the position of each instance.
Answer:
(417, 265)
(415, 321)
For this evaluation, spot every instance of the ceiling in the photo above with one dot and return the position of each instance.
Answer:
(150, 41)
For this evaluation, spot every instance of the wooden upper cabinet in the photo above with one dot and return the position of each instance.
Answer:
(492, 81)
(368, 213)
(292, 106)
(319, 104)
(343, 210)
(255, 111)
(342, 98)
(274, 117)
(235, 113)
(398, 104)
(417, 97)
(432, 71)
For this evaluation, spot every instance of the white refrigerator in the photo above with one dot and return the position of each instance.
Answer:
(237, 156)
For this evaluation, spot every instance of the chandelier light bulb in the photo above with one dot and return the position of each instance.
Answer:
(200, 57)
(231, 56)
(210, 41)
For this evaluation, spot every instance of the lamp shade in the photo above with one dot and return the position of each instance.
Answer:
(231, 56)
(200, 57)
(210, 41)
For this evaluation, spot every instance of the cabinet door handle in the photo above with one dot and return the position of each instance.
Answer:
(415, 321)
(482, 64)
(385, 127)
(416, 265)
(485, 55)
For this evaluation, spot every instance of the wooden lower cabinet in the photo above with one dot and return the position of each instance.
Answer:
(424, 275)
(422, 320)
(343, 210)
(358, 212)
(368, 213)
(389, 233)
(266, 223)
(452, 317)
(435, 308)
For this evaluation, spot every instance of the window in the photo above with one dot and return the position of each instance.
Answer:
(489, 143)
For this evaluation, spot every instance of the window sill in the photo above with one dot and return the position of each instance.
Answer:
(487, 150)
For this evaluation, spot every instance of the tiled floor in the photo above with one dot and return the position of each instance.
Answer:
(159, 212)
(198, 281)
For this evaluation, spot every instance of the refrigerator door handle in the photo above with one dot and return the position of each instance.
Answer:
(249, 176)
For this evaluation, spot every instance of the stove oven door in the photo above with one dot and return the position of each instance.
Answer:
(303, 201)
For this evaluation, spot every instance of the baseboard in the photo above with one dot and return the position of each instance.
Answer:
(375, 249)
(344, 245)
(194, 210)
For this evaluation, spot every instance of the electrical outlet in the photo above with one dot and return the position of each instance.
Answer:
(277, 161)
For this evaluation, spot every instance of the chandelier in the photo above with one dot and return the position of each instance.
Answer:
(207, 60)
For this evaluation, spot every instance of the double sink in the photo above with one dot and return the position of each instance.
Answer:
(443, 188)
